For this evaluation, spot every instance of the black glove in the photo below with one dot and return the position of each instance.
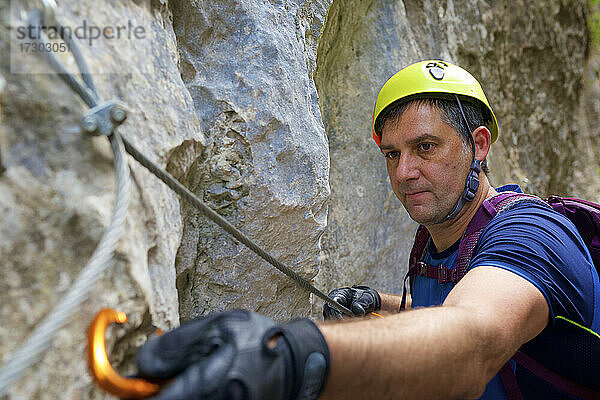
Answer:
(229, 356)
(361, 300)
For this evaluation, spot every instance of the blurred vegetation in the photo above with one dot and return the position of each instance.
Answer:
(594, 22)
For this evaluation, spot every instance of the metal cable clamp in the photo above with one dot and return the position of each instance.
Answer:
(104, 118)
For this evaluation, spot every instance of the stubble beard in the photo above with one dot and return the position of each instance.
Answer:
(436, 214)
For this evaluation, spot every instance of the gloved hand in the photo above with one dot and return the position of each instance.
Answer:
(361, 300)
(238, 355)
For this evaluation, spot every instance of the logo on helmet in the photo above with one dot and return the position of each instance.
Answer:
(436, 69)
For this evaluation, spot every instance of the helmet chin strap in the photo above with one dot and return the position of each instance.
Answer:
(472, 182)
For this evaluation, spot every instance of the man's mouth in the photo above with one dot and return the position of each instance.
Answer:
(415, 194)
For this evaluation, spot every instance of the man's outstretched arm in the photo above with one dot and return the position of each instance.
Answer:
(451, 351)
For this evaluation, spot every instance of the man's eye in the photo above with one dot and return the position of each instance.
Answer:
(392, 155)
(425, 146)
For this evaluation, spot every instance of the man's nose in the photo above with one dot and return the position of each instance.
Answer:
(407, 168)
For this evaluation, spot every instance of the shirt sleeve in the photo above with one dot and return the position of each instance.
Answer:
(543, 247)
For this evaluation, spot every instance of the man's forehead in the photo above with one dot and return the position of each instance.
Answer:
(417, 120)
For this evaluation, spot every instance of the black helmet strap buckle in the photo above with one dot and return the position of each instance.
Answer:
(472, 181)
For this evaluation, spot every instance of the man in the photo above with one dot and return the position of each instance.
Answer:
(434, 127)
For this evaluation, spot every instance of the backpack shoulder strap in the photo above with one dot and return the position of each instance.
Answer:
(490, 208)
(416, 255)
(420, 244)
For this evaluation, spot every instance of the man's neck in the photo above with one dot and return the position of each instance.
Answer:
(447, 233)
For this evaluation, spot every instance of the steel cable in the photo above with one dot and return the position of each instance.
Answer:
(186, 194)
(40, 339)
(91, 98)
(86, 90)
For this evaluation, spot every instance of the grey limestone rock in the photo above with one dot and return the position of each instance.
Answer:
(57, 189)
(248, 66)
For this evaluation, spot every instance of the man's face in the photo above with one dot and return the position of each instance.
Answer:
(427, 163)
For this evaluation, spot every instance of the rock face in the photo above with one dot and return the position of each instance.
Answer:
(57, 192)
(248, 65)
(236, 118)
(263, 109)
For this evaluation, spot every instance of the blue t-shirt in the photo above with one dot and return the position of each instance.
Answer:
(538, 244)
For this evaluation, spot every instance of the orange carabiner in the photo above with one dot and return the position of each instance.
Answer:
(104, 374)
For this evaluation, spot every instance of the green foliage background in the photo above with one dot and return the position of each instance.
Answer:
(594, 21)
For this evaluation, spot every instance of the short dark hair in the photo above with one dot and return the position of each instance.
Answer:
(450, 114)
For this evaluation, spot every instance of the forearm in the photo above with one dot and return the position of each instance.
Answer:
(390, 303)
(427, 353)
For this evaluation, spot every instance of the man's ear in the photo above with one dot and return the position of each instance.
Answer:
(483, 140)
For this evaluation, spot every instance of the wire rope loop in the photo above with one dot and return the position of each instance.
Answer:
(40, 339)
(84, 88)
(102, 258)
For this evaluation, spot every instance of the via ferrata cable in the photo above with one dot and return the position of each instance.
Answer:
(186, 194)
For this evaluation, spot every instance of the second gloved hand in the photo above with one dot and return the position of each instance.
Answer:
(361, 300)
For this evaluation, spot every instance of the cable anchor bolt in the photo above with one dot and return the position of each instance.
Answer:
(104, 118)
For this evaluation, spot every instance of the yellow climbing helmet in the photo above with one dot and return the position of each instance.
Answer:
(432, 77)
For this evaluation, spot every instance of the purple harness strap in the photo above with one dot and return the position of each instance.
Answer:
(416, 254)
(509, 380)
